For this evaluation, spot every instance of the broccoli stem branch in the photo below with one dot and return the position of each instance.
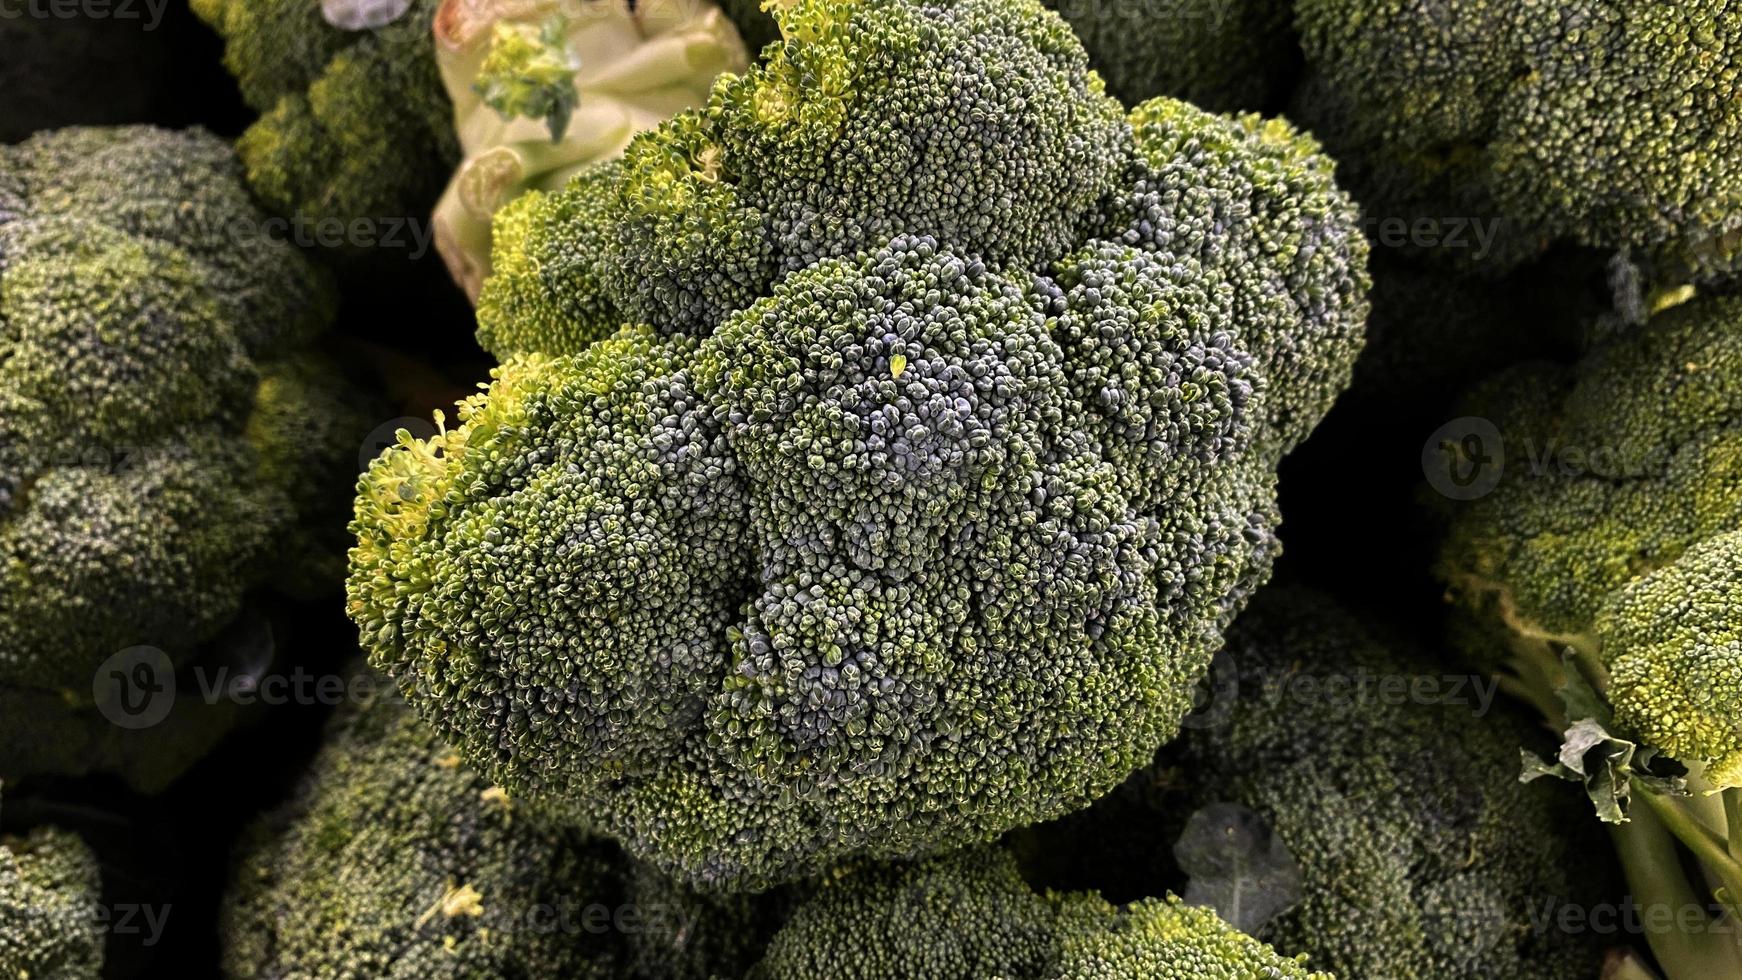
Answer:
(1733, 821)
(1652, 863)
(1706, 844)
(1648, 842)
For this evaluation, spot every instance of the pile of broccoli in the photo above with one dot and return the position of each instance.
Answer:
(936, 490)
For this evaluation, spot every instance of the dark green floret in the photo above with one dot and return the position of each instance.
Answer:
(395, 859)
(354, 124)
(861, 126)
(921, 532)
(1608, 123)
(1224, 55)
(164, 425)
(49, 894)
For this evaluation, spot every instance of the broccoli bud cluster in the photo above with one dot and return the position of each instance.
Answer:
(902, 509)
(166, 428)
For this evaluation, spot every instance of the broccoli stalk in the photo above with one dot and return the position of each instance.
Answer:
(1658, 819)
(539, 97)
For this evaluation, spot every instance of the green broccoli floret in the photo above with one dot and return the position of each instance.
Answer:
(1609, 123)
(163, 430)
(1408, 847)
(1672, 641)
(806, 522)
(1421, 853)
(859, 128)
(1600, 573)
(970, 914)
(1223, 55)
(963, 914)
(913, 548)
(1162, 939)
(1619, 487)
(441, 874)
(354, 122)
(527, 72)
(49, 890)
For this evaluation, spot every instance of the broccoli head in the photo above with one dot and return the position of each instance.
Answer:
(970, 914)
(859, 128)
(49, 889)
(445, 877)
(1610, 529)
(1405, 846)
(164, 424)
(1223, 55)
(920, 543)
(354, 121)
(1608, 123)
(1599, 574)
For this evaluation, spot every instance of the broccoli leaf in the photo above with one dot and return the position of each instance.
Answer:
(1607, 766)
(1237, 866)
